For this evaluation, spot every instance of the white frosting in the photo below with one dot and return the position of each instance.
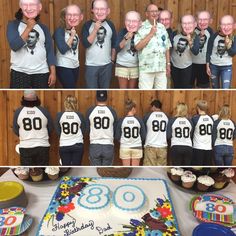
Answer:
(188, 178)
(177, 171)
(206, 180)
(229, 173)
(52, 170)
(21, 171)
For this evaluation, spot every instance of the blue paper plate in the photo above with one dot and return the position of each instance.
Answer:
(208, 229)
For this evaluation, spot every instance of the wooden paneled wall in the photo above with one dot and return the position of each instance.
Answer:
(51, 11)
(53, 101)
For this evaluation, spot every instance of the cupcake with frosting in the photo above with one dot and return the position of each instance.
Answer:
(176, 174)
(220, 180)
(204, 182)
(22, 172)
(228, 173)
(36, 174)
(52, 172)
(188, 179)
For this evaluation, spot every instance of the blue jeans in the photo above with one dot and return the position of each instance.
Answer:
(221, 74)
(68, 76)
(98, 76)
(224, 155)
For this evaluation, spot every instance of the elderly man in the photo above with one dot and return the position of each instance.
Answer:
(152, 42)
(34, 68)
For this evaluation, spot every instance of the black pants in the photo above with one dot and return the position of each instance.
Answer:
(181, 155)
(38, 156)
(72, 155)
(200, 76)
(182, 78)
(202, 157)
(23, 80)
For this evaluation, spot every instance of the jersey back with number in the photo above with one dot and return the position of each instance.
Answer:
(202, 136)
(71, 133)
(181, 132)
(225, 132)
(156, 125)
(33, 130)
(101, 122)
(130, 133)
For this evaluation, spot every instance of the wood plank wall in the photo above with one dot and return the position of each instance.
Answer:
(53, 101)
(51, 11)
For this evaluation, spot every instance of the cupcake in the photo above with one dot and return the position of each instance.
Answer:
(228, 173)
(204, 182)
(176, 174)
(36, 174)
(220, 180)
(188, 179)
(52, 172)
(22, 173)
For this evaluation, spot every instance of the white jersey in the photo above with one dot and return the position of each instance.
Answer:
(225, 132)
(101, 124)
(202, 136)
(31, 58)
(33, 128)
(130, 128)
(180, 129)
(70, 126)
(156, 124)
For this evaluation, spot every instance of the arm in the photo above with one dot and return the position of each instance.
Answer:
(143, 131)
(195, 45)
(15, 125)
(57, 123)
(144, 42)
(209, 52)
(231, 47)
(87, 38)
(59, 37)
(47, 115)
(83, 123)
(118, 129)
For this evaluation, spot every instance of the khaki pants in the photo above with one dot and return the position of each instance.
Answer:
(155, 156)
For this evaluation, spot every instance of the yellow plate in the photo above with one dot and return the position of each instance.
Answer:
(10, 190)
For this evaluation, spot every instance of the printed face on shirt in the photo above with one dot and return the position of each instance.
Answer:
(221, 48)
(227, 25)
(30, 8)
(73, 16)
(202, 41)
(182, 45)
(74, 45)
(203, 20)
(132, 22)
(100, 10)
(101, 34)
(32, 39)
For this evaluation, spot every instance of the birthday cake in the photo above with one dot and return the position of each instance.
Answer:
(110, 206)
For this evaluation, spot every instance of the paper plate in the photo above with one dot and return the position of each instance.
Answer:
(214, 208)
(209, 229)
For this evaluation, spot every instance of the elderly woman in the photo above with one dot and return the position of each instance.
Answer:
(67, 43)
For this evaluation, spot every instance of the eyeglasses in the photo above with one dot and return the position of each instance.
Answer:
(73, 15)
(164, 19)
(132, 21)
(224, 25)
(29, 5)
(153, 11)
(99, 9)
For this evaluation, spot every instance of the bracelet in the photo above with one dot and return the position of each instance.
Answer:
(168, 63)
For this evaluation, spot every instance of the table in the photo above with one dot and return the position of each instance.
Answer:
(40, 194)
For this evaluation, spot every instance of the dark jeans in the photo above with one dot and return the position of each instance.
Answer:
(72, 155)
(98, 76)
(224, 155)
(101, 154)
(182, 78)
(22, 80)
(200, 76)
(67, 76)
(181, 155)
(202, 157)
(38, 156)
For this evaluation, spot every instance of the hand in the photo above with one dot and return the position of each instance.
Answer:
(190, 40)
(73, 32)
(153, 30)
(129, 35)
(228, 42)
(208, 70)
(97, 25)
(52, 80)
(30, 24)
